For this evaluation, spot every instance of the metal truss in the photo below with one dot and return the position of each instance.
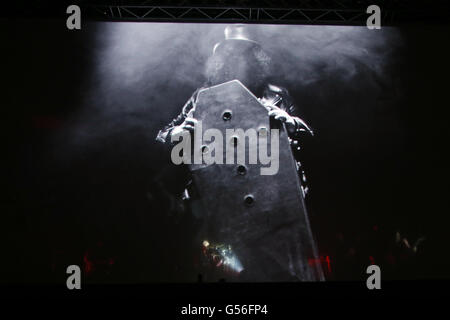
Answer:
(233, 14)
(335, 12)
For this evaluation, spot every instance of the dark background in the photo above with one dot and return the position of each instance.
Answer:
(82, 109)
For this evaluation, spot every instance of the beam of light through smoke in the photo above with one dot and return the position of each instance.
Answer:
(144, 72)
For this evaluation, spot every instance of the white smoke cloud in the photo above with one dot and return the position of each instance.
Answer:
(144, 72)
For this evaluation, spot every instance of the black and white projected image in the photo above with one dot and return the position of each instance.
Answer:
(92, 181)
